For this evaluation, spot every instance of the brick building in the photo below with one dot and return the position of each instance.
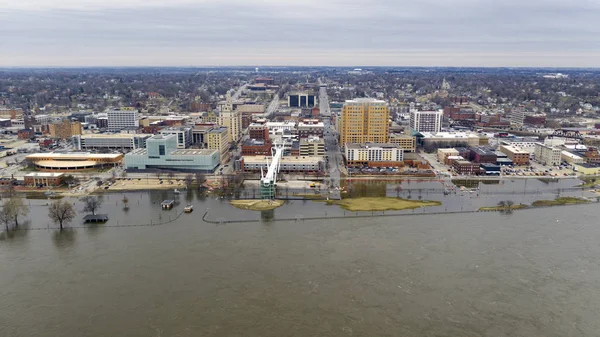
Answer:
(256, 147)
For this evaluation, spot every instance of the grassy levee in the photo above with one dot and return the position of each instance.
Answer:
(559, 201)
(380, 204)
(257, 205)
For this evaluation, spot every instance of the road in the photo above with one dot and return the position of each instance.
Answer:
(333, 150)
(273, 106)
(238, 92)
(324, 100)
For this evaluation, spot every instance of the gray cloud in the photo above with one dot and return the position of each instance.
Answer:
(351, 32)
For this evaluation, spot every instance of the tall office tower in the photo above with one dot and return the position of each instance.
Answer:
(123, 119)
(364, 120)
(232, 120)
(426, 121)
(517, 117)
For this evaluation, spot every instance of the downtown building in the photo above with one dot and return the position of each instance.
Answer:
(374, 154)
(426, 121)
(123, 119)
(161, 153)
(364, 120)
(232, 120)
(120, 141)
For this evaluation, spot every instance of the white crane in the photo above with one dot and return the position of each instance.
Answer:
(268, 181)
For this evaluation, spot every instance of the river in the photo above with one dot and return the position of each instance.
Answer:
(529, 273)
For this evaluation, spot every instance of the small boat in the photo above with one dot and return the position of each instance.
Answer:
(176, 191)
(188, 209)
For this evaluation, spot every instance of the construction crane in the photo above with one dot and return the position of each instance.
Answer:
(269, 180)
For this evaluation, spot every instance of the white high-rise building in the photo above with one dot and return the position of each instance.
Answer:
(517, 117)
(232, 120)
(122, 119)
(426, 121)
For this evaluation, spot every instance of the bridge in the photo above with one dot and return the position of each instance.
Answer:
(268, 181)
(567, 133)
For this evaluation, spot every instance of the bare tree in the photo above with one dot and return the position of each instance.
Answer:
(6, 217)
(158, 175)
(200, 179)
(124, 174)
(16, 208)
(170, 175)
(91, 204)
(189, 180)
(113, 174)
(61, 212)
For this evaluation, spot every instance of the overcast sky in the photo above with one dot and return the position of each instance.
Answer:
(300, 32)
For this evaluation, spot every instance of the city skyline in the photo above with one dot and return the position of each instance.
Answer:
(531, 33)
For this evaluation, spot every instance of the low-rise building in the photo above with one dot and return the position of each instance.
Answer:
(466, 168)
(373, 154)
(258, 131)
(73, 161)
(547, 155)
(587, 168)
(310, 127)
(120, 141)
(288, 164)
(452, 139)
(161, 153)
(482, 155)
(571, 157)
(43, 179)
(312, 146)
(25, 134)
(518, 156)
(443, 154)
(490, 169)
(406, 142)
(256, 147)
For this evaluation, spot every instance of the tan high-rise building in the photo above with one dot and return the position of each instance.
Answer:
(217, 139)
(232, 120)
(64, 129)
(364, 120)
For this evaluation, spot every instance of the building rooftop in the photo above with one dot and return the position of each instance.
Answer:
(74, 155)
(114, 135)
(312, 139)
(365, 100)
(254, 142)
(44, 175)
(483, 151)
(372, 145)
(286, 159)
(457, 135)
(515, 149)
(220, 129)
(193, 152)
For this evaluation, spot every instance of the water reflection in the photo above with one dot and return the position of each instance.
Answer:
(267, 216)
(64, 238)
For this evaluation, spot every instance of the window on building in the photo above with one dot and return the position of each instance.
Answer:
(161, 150)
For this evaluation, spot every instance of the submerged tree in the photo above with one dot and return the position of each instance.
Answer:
(189, 180)
(125, 201)
(200, 179)
(61, 212)
(12, 209)
(91, 204)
